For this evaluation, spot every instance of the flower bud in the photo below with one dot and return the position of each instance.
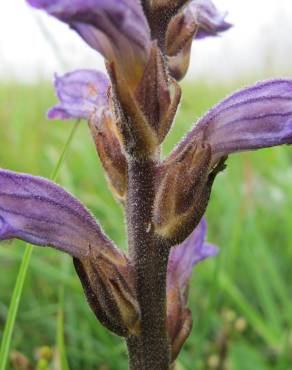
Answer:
(179, 34)
(183, 332)
(144, 115)
(110, 152)
(139, 138)
(178, 44)
(179, 64)
(158, 95)
(198, 19)
(179, 320)
(106, 279)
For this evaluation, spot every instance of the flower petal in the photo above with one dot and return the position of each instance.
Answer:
(211, 22)
(81, 93)
(256, 117)
(187, 254)
(118, 29)
(36, 210)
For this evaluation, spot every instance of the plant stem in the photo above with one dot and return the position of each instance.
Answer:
(18, 287)
(149, 351)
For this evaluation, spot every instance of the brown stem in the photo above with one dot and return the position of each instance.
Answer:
(150, 351)
(145, 6)
(135, 353)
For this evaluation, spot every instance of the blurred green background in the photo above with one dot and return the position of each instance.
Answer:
(241, 300)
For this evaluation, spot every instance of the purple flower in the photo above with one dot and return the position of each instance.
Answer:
(117, 29)
(186, 255)
(84, 94)
(180, 265)
(209, 20)
(81, 94)
(256, 117)
(36, 210)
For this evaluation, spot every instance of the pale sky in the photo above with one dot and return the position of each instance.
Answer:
(261, 37)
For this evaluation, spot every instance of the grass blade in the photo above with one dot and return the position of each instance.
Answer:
(18, 288)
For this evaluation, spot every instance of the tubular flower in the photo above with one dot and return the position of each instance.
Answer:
(39, 212)
(181, 262)
(256, 117)
(117, 29)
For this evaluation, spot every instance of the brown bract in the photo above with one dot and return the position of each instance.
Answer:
(183, 190)
(144, 115)
(108, 285)
(109, 148)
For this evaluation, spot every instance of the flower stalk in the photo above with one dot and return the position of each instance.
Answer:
(151, 350)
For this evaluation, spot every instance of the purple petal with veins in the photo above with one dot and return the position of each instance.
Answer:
(256, 117)
(40, 212)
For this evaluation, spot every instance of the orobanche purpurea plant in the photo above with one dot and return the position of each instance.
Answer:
(142, 295)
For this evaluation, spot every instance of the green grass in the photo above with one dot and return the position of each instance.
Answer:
(249, 217)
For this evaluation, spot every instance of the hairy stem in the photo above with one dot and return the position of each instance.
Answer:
(150, 351)
(135, 353)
